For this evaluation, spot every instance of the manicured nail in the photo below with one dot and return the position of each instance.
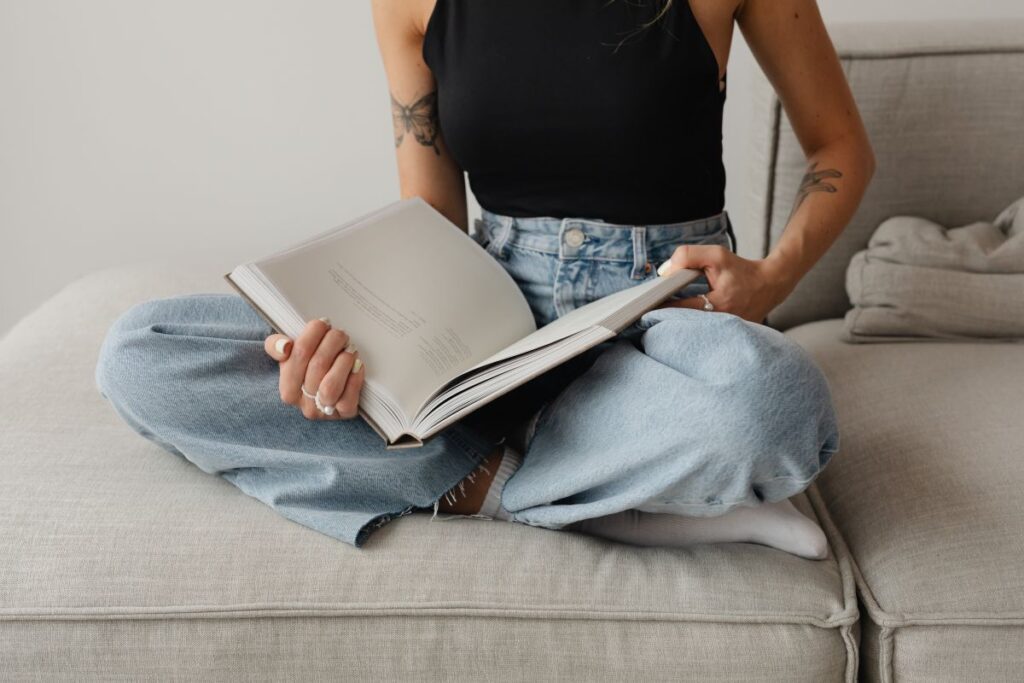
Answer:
(351, 348)
(664, 266)
(283, 345)
(358, 365)
(328, 410)
(327, 321)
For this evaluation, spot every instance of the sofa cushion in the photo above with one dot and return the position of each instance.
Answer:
(926, 491)
(119, 559)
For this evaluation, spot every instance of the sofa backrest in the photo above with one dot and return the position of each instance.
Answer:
(943, 103)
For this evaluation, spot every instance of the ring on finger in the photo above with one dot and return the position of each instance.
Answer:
(708, 306)
(329, 410)
(326, 410)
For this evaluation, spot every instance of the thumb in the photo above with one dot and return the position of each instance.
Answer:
(278, 347)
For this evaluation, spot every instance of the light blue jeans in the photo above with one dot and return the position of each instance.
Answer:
(687, 412)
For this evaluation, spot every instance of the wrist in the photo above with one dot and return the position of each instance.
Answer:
(779, 274)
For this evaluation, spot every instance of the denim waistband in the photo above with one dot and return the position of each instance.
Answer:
(593, 238)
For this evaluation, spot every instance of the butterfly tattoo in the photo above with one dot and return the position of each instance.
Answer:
(420, 117)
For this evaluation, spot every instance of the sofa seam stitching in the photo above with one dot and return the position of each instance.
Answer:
(193, 614)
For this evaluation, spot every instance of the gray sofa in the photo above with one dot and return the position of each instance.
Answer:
(121, 561)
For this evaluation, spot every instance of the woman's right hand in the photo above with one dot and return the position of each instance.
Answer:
(321, 359)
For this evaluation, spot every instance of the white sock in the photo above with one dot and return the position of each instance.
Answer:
(779, 525)
(510, 462)
(491, 507)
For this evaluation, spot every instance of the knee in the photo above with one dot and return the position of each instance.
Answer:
(768, 461)
(191, 345)
(768, 398)
(140, 354)
(800, 428)
(151, 342)
(790, 402)
(121, 364)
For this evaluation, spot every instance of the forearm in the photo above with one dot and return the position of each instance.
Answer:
(831, 190)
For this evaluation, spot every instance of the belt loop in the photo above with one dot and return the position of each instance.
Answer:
(500, 247)
(639, 252)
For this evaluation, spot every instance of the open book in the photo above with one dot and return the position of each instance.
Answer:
(441, 328)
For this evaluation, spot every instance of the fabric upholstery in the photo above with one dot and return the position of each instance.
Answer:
(121, 560)
(925, 491)
(942, 103)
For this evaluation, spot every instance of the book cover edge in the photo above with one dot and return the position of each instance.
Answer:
(262, 314)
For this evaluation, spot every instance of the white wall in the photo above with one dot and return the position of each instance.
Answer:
(211, 131)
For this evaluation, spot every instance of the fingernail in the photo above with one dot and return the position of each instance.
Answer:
(351, 348)
(282, 345)
(664, 266)
(358, 365)
(327, 321)
(328, 410)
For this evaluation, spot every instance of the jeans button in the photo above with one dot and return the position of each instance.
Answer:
(574, 237)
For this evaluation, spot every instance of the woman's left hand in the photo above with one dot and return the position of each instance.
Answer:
(744, 287)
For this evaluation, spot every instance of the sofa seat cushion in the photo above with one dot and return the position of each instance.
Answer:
(120, 559)
(926, 491)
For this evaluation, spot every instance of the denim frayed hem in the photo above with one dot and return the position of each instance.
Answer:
(377, 522)
(763, 493)
(474, 448)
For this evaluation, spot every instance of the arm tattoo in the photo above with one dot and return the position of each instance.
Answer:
(420, 117)
(814, 181)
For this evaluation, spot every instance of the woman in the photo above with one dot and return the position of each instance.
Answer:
(591, 134)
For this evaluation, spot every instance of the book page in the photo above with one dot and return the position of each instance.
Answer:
(470, 382)
(501, 383)
(421, 300)
(549, 346)
(597, 312)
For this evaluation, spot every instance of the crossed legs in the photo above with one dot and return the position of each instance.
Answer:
(706, 415)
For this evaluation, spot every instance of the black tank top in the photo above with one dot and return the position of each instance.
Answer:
(548, 118)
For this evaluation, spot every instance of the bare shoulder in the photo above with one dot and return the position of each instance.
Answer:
(722, 10)
(406, 17)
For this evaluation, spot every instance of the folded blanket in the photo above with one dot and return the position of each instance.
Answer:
(918, 280)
